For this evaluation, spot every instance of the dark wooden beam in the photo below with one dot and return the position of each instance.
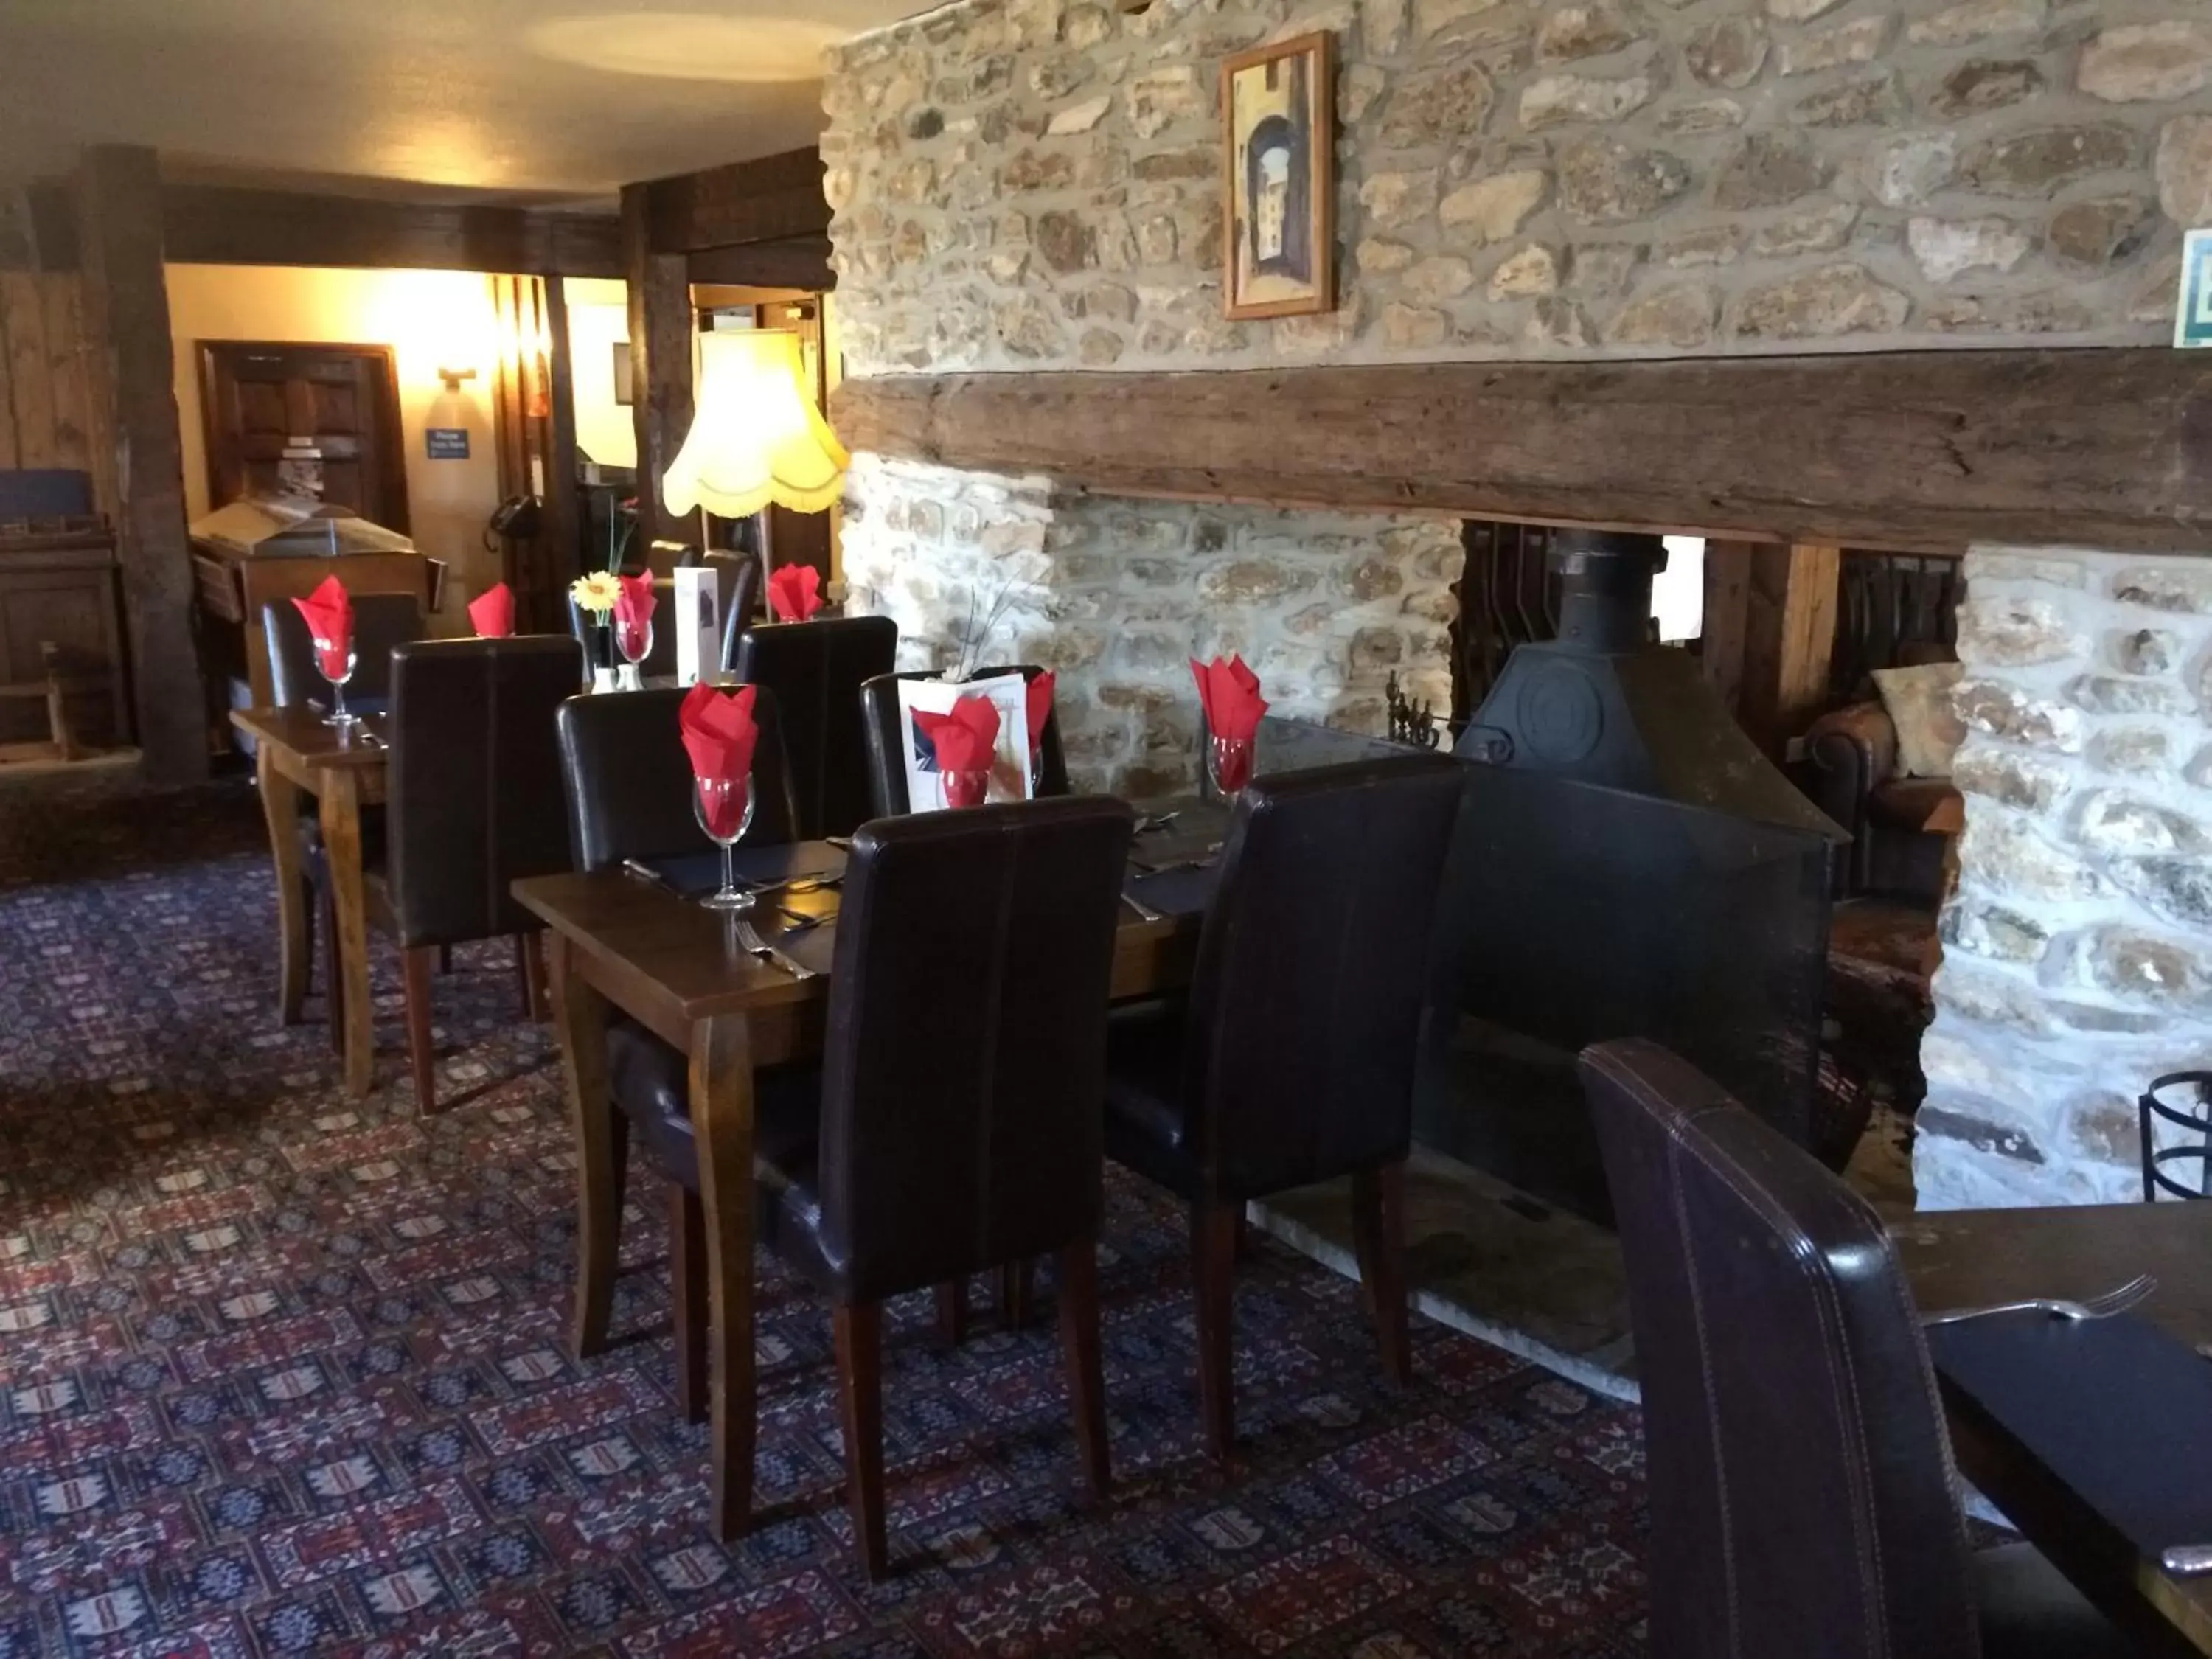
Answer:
(660, 330)
(126, 311)
(562, 524)
(214, 224)
(798, 262)
(772, 199)
(1912, 451)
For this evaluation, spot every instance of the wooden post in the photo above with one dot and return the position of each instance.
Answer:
(1790, 634)
(660, 330)
(126, 304)
(1721, 641)
(561, 529)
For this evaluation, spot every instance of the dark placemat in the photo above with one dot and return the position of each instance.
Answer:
(1178, 892)
(696, 874)
(2117, 1409)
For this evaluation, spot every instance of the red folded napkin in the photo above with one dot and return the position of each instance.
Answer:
(1229, 693)
(329, 614)
(794, 592)
(719, 734)
(1040, 707)
(966, 739)
(492, 611)
(632, 614)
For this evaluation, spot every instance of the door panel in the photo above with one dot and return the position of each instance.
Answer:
(318, 420)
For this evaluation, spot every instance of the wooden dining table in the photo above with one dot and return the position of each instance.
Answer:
(620, 943)
(1973, 1258)
(296, 752)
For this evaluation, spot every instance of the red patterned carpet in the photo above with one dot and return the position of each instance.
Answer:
(281, 1373)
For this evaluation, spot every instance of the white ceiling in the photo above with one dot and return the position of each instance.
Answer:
(516, 98)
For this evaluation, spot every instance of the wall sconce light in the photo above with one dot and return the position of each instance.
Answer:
(454, 377)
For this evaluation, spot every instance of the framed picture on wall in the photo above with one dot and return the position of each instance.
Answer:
(1278, 120)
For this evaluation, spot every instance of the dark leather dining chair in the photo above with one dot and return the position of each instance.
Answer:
(380, 621)
(886, 736)
(1294, 1061)
(659, 661)
(1801, 1493)
(953, 1123)
(629, 780)
(473, 805)
(816, 670)
(738, 580)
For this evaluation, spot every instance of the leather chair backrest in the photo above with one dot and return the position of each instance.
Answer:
(380, 621)
(598, 642)
(1800, 1481)
(737, 579)
(474, 800)
(628, 779)
(1313, 968)
(886, 735)
(963, 1086)
(816, 670)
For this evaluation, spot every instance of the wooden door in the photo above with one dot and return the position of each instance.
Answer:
(317, 420)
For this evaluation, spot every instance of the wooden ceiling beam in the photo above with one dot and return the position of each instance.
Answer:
(1911, 450)
(797, 262)
(217, 224)
(772, 199)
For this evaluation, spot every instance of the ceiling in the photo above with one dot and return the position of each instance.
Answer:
(504, 99)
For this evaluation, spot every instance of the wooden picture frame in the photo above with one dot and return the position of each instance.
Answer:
(1278, 179)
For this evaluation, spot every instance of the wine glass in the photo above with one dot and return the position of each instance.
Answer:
(634, 639)
(1037, 769)
(1229, 764)
(328, 654)
(724, 807)
(967, 787)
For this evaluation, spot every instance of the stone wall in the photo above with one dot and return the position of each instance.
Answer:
(1037, 183)
(2078, 949)
(1117, 596)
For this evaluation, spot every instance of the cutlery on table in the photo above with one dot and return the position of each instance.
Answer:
(843, 843)
(2118, 1299)
(799, 921)
(814, 881)
(1144, 912)
(640, 871)
(1147, 867)
(2186, 1560)
(1151, 825)
(750, 940)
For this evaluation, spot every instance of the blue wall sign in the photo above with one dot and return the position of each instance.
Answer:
(446, 443)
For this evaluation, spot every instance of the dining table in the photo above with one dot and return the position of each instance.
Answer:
(1960, 1258)
(297, 751)
(636, 941)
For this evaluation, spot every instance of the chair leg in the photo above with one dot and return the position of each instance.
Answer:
(1213, 1264)
(1378, 1227)
(415, 965)
(1086, 1373)
(333, 972)
(952, 1312)
(1015, 1280)
(687, 1284)
(860, 1396)
(310, 915)
(536, 999)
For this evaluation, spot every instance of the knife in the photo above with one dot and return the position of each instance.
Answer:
(2186, 1560)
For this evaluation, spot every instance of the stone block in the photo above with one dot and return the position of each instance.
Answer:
(1400, 198)
(2011, 856)
(1859, 41)
(1605, 182)
(1906, 171)
(1947, 249)
(1985, 84)
(1582, 30)
(1534, 270)
(2183, 587)
(2178, 889)
(1977, 20)
(1991, 565)
(1728, 52)
(1983, 928)
(1565, 99)
(2006, 712)
(1820, 228)
(2038, 163)
(2002, 631)
(1444, 106)
(1767, 169)
(1870, 101)
(2103, 232)
(1378, 257)
(2136, 750)
(2136, 966)
(1834, 299)
(2148, 63)
(1490, 210)
(1680, 316)
(2031, 782)
(1938, 1122)
(1433, 281)
(2108, 694)
(2184, 170)
(2113, 821)
(1698, 116)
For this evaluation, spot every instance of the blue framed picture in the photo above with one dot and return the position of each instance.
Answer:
(2192, 322)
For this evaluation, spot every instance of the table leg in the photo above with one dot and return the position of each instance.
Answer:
(722, 1122)
(280, 805)
(581, 1011)
(340, 810)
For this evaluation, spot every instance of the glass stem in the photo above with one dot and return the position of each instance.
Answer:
(337, 698)
(729, 868)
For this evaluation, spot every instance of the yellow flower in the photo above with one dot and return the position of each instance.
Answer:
(596, 593)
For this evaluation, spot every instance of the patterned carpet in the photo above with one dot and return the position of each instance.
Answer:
(281, 1373)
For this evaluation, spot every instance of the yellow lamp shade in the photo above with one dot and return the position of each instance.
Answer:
(757, 437)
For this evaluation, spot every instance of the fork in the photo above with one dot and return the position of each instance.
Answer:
(750, 940)
(2118, 1299)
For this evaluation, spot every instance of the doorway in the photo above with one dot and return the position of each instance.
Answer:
(289, 419)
